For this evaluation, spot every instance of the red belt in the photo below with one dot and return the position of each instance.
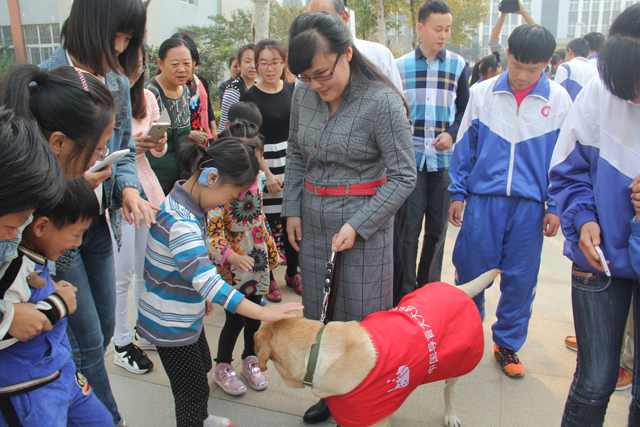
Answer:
(364, 189)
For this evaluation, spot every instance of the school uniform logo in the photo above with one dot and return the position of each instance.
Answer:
(83, 384)
(546, 110)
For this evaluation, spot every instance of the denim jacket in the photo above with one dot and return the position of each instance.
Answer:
(125, 172)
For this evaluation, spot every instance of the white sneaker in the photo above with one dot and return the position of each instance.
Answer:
(132, 359)
(141, 343)
(214, 421)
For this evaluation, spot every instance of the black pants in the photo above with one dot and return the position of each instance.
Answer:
(231, 330)
(292, 255)
(187, 369)
(429, 201)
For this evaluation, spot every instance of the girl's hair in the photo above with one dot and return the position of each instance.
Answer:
(235, 160)
(193, 48)
(78, 202)
(313, 33)
(90, 32)
(243, 49)
(138, 100)
(619, 58)
(58, 101)
(272, 44)
(247, 111)
(246, 131)
(31, 174)
(482, 67)
(169, 44)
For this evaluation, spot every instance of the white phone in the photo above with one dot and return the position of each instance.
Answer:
(111, 159)
(603, 261)
(157, 130)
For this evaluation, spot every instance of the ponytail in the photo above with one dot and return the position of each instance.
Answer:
(475, 73)
(64, 100)
(235, 160)
(246, 131)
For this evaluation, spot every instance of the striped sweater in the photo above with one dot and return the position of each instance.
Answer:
(179, 275)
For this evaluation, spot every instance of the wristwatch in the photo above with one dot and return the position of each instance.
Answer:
(3, 310)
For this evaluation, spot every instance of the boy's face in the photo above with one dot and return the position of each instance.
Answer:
(9, 224)
(522, 75)
(51, 241)
(435, 31)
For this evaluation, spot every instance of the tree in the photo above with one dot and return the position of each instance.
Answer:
(382, 30)
(280, 20)
(467, 15)
(260, 20)
(366, 18)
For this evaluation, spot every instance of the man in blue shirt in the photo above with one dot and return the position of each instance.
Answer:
(436, 84)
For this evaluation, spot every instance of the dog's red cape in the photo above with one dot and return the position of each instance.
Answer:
(434, 333)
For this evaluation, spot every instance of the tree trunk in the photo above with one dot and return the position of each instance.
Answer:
(382, 28)
(260, 21)
(414, 22)
(146, 50)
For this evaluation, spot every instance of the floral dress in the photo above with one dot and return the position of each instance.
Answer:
(240, 227)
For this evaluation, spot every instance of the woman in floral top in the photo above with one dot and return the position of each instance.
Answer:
(243, 249)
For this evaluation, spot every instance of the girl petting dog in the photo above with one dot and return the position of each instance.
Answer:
(181, 282)
(242, 247)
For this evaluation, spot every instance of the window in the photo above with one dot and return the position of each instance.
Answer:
(573, 5)
(41, 40)
(192, 2)
(5, 36)
(572, 31)
(586, 6)
(607, 5)
(616, 5)
(594, 27)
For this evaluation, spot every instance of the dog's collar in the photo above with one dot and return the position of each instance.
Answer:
(313, 359)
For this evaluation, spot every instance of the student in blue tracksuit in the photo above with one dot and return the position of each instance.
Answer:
(593, 167)
(499, 167)
(577, 71)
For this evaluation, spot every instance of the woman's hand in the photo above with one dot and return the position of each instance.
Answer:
(294, 229)
(344, 239)
(135, 208)
(97, 178)
(210, 306)
(273, 184)
(243, 263)
(635, 196)
(162, 142)
(589, 239)
(199, 137)
(144, 143)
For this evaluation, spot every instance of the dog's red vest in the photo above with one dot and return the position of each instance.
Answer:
(434, 333)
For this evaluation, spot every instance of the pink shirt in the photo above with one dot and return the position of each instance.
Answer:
(147, 177)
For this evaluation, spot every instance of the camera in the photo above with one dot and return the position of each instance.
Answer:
(509, 6)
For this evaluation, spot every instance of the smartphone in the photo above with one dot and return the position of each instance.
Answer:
(603, 261)
(111, 159)
(157, 130)
(509, 6)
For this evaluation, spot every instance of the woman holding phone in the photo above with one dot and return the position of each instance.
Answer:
(128, 351)
(103, 37)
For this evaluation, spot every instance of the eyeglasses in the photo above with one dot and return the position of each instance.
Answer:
(142, 69)
(100, 154)
(265, 65)
(320, 78)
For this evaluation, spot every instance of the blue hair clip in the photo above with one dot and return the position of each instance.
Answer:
(204, 176)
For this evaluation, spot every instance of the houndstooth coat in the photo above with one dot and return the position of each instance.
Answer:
(367, 138)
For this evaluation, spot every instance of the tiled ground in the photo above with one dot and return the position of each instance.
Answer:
(483, 398)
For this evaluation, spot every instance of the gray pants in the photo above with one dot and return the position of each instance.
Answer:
(429, 200)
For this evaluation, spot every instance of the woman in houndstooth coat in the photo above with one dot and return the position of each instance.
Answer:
(348, 128)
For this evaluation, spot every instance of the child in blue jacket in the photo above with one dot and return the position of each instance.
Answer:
(499, 166)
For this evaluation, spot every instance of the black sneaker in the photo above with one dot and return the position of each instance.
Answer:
(131, 358)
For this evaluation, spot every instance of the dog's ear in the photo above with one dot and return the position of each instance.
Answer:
(262, 340)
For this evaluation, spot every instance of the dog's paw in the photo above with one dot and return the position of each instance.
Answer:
(451, 420)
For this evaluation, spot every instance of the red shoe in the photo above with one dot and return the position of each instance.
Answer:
(274, 293)
(294, 282)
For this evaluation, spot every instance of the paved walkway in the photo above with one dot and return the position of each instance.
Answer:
(484, 398)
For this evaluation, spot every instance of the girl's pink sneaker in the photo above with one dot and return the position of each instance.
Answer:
(225, 376)
(252, 372)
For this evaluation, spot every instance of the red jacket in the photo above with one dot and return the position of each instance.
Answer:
(434, 333)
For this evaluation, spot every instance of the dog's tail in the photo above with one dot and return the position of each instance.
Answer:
(476, 286)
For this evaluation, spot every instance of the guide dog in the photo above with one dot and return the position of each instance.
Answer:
(445, 342)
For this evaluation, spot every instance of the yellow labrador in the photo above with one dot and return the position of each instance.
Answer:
(346, 357)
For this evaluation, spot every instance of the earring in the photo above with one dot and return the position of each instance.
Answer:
(204, 177)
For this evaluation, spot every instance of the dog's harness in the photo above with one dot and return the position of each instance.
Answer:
(313, 359)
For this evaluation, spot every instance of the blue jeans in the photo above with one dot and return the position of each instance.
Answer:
(90, 328)
(600, 309)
